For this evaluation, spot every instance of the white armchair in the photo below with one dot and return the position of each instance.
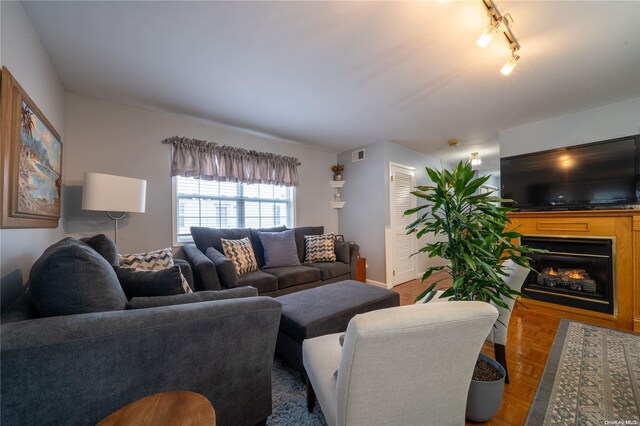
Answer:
(409, 365)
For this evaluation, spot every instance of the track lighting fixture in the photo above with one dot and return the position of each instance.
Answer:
(500, 23)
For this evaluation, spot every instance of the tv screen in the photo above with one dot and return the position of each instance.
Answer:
(588, 176)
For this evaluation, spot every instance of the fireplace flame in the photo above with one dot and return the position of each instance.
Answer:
(575, 275)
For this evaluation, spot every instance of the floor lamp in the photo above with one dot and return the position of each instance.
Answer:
(115, 195)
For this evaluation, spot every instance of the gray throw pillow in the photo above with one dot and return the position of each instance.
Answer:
(341, 248)
(142, 283)
(72, 278)
(279, 248)
(105, 246)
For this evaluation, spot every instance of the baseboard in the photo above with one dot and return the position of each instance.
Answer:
(379, 284)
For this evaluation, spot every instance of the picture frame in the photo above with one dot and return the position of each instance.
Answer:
(30, 159)
(339, 237)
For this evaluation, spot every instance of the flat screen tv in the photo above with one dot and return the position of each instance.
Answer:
(597, 175)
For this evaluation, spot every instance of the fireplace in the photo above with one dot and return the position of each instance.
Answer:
(576, 272)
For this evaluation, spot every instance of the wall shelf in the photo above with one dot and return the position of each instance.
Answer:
(337, 203)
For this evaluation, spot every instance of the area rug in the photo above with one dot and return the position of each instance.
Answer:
(290, 399)
(592, 377)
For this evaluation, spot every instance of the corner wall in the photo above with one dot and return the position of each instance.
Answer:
(366, 213)
(363, 217)
(22, 52)
(107, 137)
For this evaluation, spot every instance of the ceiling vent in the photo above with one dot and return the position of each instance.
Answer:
(357, 155)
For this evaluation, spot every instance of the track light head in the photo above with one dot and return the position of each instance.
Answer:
(510, 65)
(487, 36)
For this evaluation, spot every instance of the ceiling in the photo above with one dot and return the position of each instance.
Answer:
(343, 74)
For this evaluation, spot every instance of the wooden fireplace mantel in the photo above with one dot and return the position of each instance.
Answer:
(621, 225)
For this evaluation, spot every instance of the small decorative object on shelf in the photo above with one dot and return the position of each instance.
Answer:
(337, 170)
(337, 197)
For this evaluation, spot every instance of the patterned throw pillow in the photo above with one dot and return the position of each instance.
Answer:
(319, 248)
(150, 261)
(156, 260)
(240, 253)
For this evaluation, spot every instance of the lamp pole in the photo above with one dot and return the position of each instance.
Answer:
(116, 218)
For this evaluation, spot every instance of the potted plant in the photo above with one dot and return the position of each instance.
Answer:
(478, 241)
(337, 170)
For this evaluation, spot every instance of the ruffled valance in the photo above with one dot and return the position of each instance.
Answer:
(210, 161)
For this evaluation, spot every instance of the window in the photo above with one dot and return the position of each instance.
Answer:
(229, 205)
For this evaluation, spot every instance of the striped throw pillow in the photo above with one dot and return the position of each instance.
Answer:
(156, 260)
(319, 248)
(240, 252)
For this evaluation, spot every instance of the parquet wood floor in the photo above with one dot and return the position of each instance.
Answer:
(530, 336)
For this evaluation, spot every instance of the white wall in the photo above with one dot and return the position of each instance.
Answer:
(363, 217)
(24, 56)
(122, 140)
(607, 122)
(366, 192)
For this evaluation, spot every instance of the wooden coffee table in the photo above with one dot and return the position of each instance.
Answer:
(164, 409)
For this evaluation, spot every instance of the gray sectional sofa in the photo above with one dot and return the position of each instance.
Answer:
(78, 368)
(213, 271)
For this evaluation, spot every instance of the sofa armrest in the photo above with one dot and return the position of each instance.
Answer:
(354, 252)
(78, 369)
(204, 272)
(185, 269)
(227, 273)
(198, 296)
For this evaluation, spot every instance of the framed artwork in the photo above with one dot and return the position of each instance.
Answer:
(339, 237)
(31, 161)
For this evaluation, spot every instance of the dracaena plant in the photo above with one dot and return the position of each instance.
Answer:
(478, 236)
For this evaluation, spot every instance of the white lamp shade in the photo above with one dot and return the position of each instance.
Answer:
(113, 193)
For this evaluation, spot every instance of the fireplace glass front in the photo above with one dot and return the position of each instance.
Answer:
(575, 272)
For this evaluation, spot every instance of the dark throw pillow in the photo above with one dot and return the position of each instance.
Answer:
(341, 248)
(279, 248)
(72, 278)
(105, 246)
(156, 260)
(142, 283)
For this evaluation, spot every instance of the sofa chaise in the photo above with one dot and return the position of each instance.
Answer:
(79, 368)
